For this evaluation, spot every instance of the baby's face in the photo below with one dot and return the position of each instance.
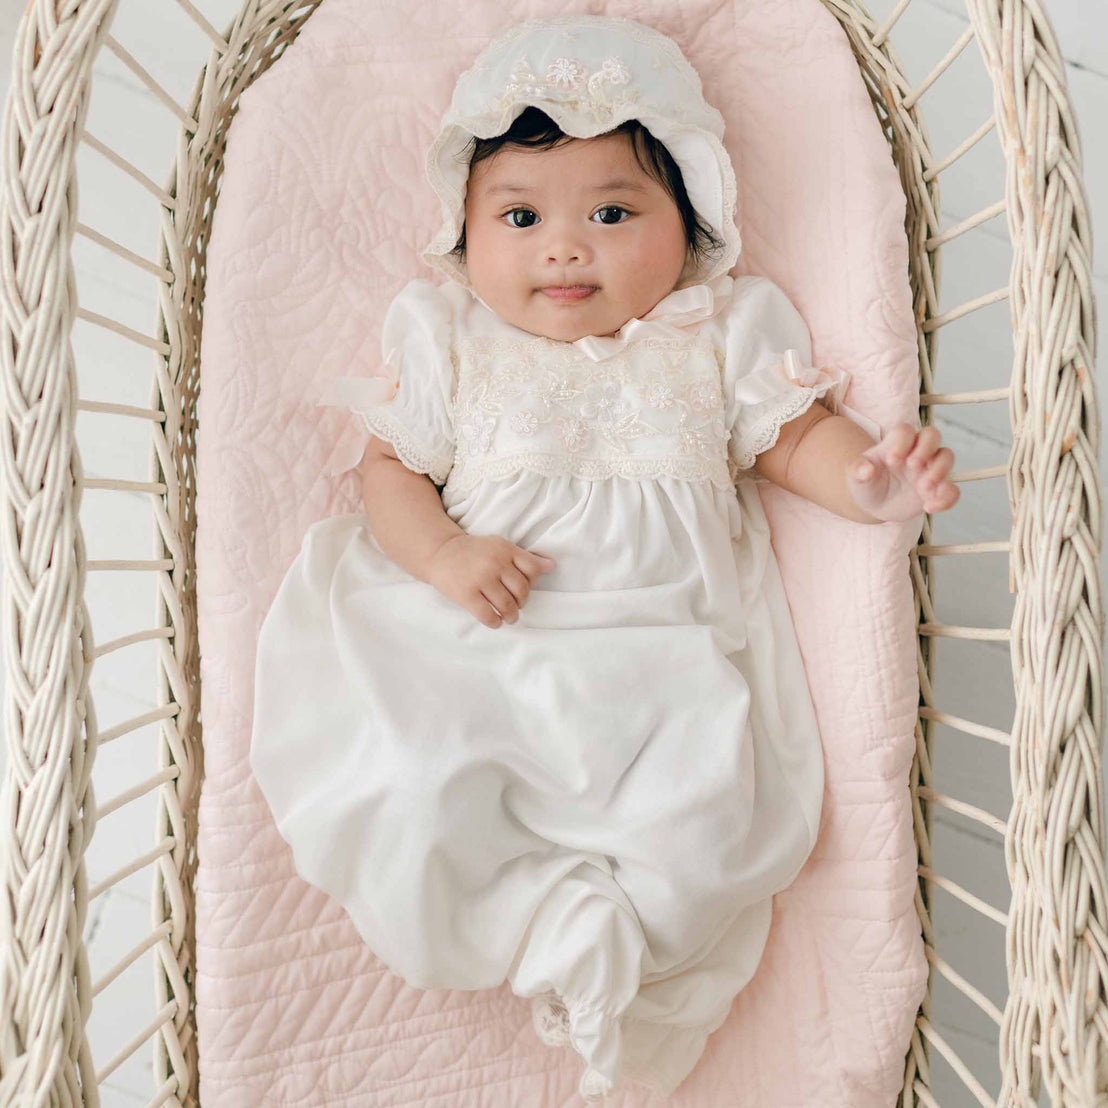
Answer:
(568, 225)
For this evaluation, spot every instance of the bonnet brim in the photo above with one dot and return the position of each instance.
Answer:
(589, 73)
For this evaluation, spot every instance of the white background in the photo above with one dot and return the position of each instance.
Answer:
(972, 680)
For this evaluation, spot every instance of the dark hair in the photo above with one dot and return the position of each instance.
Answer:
(533, 128)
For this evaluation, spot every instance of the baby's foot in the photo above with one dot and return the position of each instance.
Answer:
(594, 1086)
(551, 1020)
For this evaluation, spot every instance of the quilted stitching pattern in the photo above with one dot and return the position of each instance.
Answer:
(322, 213)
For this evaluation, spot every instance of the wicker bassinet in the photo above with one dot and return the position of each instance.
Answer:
(1053, 1031)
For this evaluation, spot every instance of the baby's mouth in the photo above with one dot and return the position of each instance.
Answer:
(569, 292)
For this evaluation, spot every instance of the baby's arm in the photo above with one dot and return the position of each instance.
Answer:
(819, 456)
(404, 509)
(485, 574)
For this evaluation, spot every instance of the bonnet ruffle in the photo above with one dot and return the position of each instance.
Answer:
(589, 73)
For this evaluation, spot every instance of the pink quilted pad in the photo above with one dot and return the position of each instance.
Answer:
(323, 211)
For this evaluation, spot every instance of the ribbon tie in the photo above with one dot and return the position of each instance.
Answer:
(679, 309)
(807, 376)
(357, 394)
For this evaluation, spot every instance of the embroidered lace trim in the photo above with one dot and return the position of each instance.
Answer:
(461, 471)
(654, 409)
(766, 429)
(413, 453)
(551, 1019)
(468, 473)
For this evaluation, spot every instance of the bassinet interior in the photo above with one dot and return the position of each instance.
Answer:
(1053, 924)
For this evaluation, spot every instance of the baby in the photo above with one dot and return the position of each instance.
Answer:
(567, 439)
(566, 238)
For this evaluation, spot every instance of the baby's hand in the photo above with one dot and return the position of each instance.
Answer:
(487, 575)
(905, 475)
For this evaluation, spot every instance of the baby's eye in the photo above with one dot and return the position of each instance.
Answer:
(527, 211)
(612, 208)
(512, 223)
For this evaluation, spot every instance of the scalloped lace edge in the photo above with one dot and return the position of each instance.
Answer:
(766, 430)
(410, 450)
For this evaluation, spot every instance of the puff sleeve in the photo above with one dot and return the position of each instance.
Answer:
(768, 378)
(409, 402)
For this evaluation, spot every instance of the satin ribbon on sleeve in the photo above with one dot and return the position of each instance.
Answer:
(362, 392)
(357, 394)
(808, 375)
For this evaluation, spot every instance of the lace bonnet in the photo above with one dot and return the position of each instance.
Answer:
(589, 73)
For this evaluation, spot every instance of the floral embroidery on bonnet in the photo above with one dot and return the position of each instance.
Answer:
(589, 73)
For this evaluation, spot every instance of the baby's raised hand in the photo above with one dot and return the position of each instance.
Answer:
(487, 575)
(904, 474)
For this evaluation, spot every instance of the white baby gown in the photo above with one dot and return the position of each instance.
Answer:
(599, 800)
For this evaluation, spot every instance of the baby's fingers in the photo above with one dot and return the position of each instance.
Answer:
(868, 482)
(938, 493)
(532, 563)
(870, 468)
(865, 469)
(922, 453)
(502, 600)
(937, 468)
(477, 604)
(944, 496)
(518, 583)
(895, 446)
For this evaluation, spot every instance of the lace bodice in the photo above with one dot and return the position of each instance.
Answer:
(695, 389)
(654, 408)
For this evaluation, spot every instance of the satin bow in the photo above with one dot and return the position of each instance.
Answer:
(808, 375)
(357, 393)
(678, 309)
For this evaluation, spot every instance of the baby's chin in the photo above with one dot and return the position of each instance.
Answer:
(564, 335)
(569, 329)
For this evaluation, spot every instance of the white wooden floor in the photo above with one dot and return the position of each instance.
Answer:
(973, 680)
